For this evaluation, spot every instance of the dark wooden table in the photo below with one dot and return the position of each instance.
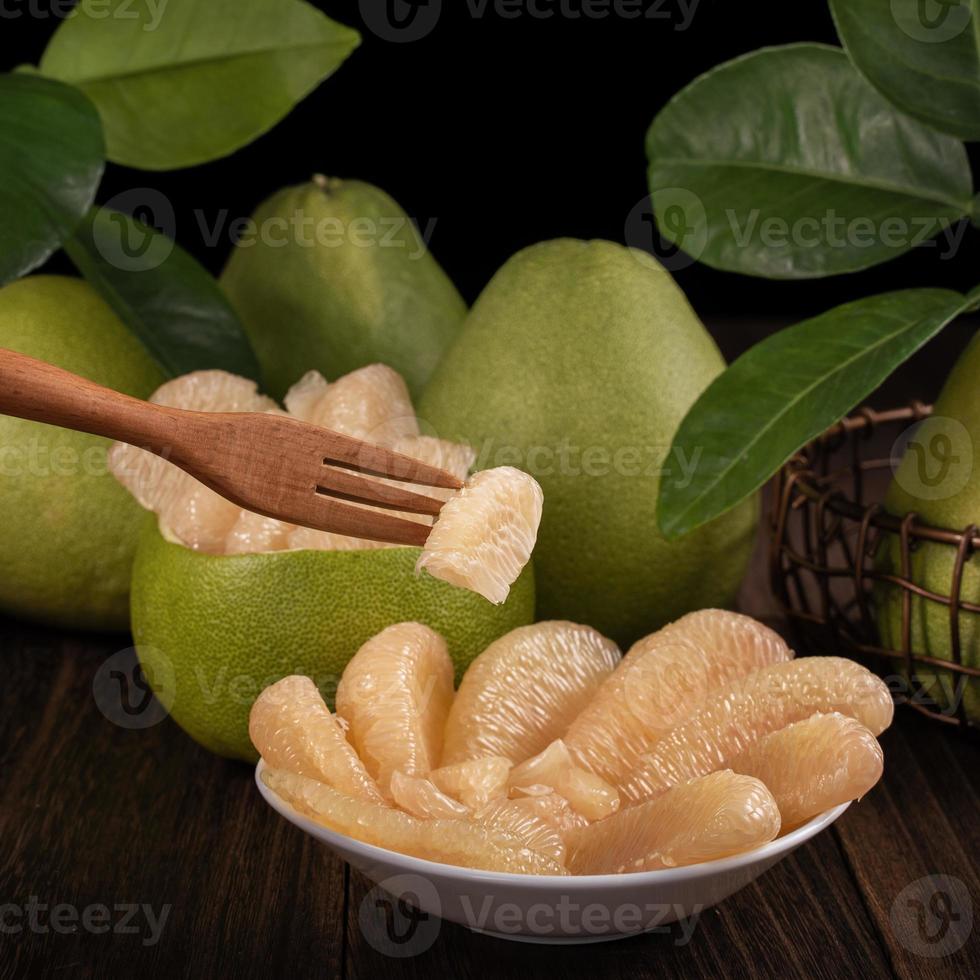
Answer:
(134, 853)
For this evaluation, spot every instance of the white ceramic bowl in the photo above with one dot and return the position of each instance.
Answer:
(549, 908)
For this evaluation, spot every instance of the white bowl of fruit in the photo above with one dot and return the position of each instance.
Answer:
(565, 793)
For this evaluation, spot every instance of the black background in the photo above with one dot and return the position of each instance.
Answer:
(505, 131)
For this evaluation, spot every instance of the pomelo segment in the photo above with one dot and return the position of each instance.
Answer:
(454, 457)
(423, 799)
(309, 539)
(550, 807)
(475, 782)
(537, 833)
(663, 680)
(525, 689)
(198, 517)
(765, 701)
(371, 403)
(293, 730)
(485, 533)
(395, 694)
(253, 533)
(712, 817)
(813, 765)
(554, 769)
(458, 842)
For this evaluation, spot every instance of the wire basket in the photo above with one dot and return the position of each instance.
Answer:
(828, 525)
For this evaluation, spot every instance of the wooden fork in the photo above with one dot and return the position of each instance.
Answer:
(273, 465)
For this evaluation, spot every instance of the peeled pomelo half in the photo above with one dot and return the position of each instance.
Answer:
(458, 842)
(554, 769)
(663, 680)
(394, 695)
(485, 533)
(222, 627)
(423, 799)
(716, 816)
(293, 730)
(757, 705)
(525, 689)
(813, 765)
(474, 782)
(196, 515)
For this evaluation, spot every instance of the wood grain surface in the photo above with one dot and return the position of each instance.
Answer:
(149, 826)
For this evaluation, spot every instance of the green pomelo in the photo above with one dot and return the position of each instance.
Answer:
(69, 530)
(938, 478)
(337, 277)
(214, 631)
(577, 364)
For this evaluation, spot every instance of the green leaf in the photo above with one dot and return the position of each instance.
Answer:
(51, 158)
(181, 82)
(162, 294)
(786, 163)
(922, 55)
(788, 389)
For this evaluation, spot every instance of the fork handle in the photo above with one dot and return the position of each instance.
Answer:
(40, 392)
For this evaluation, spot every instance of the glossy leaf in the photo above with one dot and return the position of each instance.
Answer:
(51, 158)
(181, 82)
(162, 294)
(787, 164)
(788, 389)
(922, 55)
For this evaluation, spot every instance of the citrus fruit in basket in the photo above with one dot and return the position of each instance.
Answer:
(757, 705)
(938, 478)
(813, 765)
(525, 689)
(69, 531)
(664, 679)
(577, 364)
(712, 817)
(348, 281)
(394, 696)
(225, 602)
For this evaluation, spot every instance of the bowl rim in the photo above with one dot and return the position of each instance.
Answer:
(774, 850)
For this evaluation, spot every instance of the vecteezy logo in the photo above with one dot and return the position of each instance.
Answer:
(400, 21)
(131, 697)
(392, 919)
(671, 225)
(933, 459)
(138, 233)
(932, 21)
(933, 916)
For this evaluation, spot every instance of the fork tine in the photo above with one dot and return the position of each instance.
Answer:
(349, 453)
(344, 485)
(329, 514)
